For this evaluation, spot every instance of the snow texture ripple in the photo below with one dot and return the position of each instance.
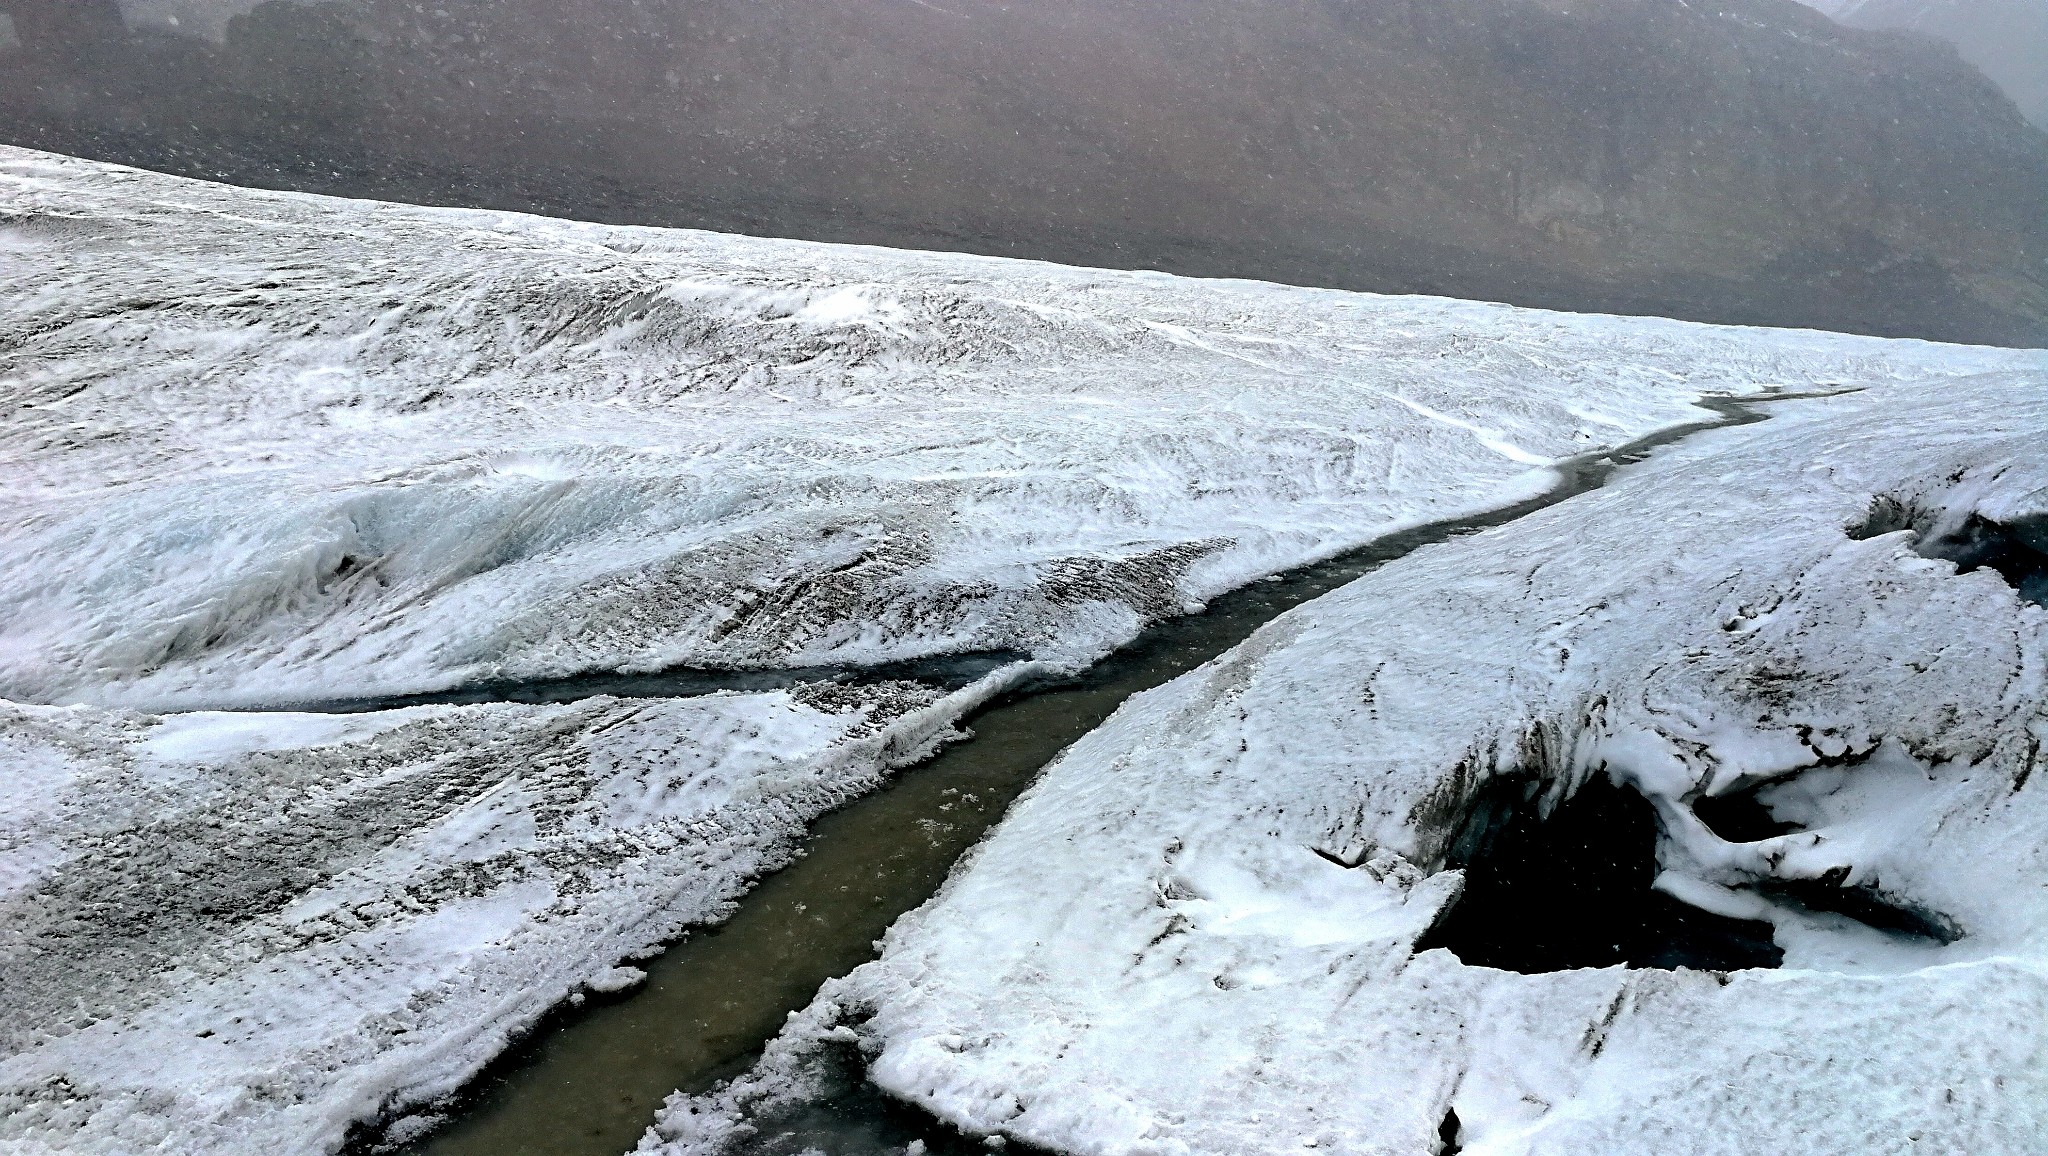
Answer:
(268, 448)
(245, 932)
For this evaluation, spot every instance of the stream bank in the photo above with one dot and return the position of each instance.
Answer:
(588, 1080)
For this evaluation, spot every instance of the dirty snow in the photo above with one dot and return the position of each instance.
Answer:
(1159, 951)
(242, 933)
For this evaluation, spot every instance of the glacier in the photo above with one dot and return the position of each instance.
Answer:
(265, 450)
(232, 932)
(269, 449)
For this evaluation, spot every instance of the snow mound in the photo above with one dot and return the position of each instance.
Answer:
(270, 449)
(1198, 933)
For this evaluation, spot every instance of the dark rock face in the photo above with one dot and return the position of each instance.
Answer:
(1745, 161)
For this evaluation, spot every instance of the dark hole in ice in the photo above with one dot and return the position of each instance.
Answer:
(2018, 551)
(848, 1116)
(1741, 818)
(1447, 1134)
(1573, 890)
(1866, 905)
(1887, 515)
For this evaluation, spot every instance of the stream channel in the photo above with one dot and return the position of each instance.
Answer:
(588, 1079)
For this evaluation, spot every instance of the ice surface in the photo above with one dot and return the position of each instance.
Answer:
(244, 933)
(270, 448)
(206, 736)
(1160, 951)
(267, 448)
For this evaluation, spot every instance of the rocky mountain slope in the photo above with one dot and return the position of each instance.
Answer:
(2006, 39)
(1750, 161)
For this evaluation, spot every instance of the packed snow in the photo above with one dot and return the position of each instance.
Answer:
(267, 449)
(1162, 950)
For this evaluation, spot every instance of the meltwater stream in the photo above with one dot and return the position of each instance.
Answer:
(588, 1080)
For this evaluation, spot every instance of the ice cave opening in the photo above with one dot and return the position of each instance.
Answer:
(1572, 889)
(1869, 906)
(1741, 817)
(2016, 550)
(1746, 817)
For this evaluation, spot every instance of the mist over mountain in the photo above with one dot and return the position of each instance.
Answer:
(1749, 161)
(2006, 39)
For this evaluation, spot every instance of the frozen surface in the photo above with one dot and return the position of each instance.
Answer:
(265, 448)
(1160, 950)
(269, 448)
(243, 933)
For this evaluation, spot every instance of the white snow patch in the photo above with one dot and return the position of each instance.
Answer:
(205, 736)
(615, 979)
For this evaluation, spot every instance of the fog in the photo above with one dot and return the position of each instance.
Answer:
(2006, 39)
(1757, 163)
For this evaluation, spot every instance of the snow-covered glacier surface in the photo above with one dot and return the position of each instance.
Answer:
(243, 932)
(268, 448)
(262, 449)
(1198, 933)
